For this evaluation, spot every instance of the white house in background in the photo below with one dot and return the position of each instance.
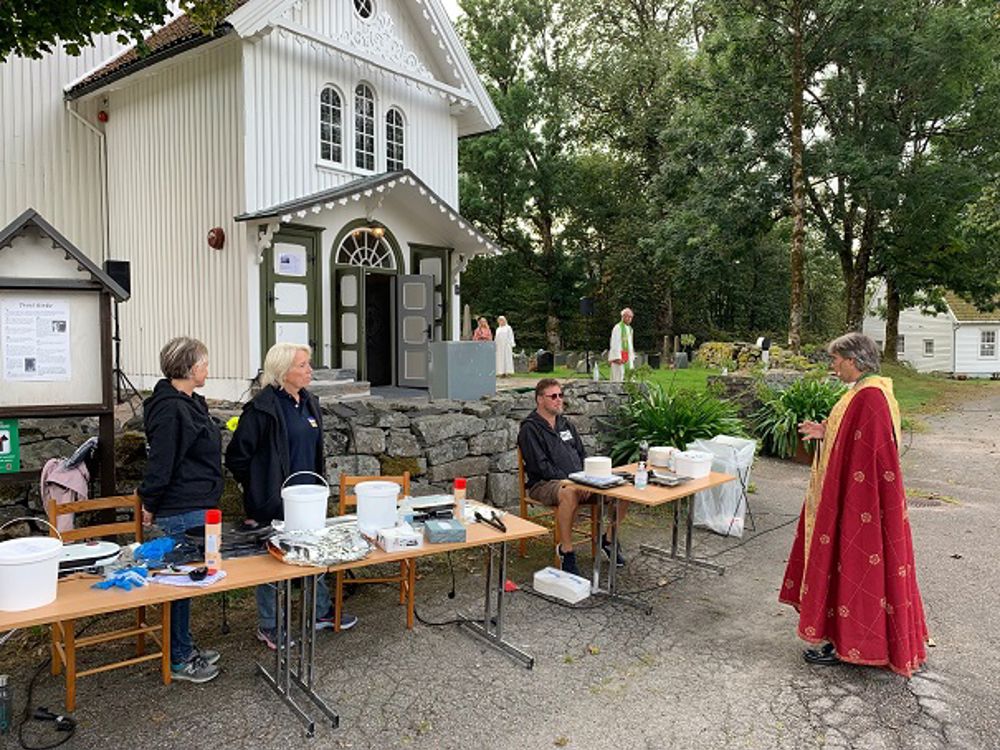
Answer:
(294, 176)
(960, 341)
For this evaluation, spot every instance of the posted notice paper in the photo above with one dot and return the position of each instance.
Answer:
(35, 338)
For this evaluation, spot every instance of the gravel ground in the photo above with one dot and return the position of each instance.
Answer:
(716, 664)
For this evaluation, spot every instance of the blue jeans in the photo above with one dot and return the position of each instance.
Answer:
(181, 643)
(267, 598)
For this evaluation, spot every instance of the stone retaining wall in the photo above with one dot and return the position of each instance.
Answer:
(435, 441)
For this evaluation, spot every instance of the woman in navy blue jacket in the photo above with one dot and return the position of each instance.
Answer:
(279, 433)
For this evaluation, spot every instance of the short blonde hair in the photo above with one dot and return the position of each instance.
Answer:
(179, 356)
(279, 361)
(502, 320)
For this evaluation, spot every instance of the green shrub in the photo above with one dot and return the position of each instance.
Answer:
(776, 422)
(717, 354)
(667, 416)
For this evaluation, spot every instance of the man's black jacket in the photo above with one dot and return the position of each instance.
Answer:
(258, 453)
(184, 469)
(549, 453)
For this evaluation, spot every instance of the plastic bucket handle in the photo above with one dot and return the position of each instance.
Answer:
(34, 518)
(319, 477)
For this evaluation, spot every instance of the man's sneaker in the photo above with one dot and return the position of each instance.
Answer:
(269, 636)
(195, 670)
(347, 621)
(568, 561)
(606, 549)
(208, 655)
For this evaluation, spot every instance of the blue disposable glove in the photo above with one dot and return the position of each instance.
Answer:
(126, 578)
(153, 551)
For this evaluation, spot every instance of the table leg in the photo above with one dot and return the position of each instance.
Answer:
(490, 631)
(688, 558)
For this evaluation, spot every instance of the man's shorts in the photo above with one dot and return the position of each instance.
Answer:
(547, 492)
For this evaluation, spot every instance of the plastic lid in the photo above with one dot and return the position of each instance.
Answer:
(213, 516)
(29, 549)
(459, 483)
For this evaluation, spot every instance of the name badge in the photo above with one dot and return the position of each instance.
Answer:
(566, 435)
(312, 422)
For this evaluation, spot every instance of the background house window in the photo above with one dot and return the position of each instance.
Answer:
(364, 8)
(987, 343)
(928, 347)
(900, 344)
(364, 127)
(331, 134)
(393, 140)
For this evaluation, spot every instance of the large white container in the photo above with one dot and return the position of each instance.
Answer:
(597, 466)
(661, 456)
(305, 504)
(376, 506)
(29, 571)
(694, 464)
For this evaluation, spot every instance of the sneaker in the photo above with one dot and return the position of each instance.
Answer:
(568, 561)
(195, 670)
(347, 621)
(606, 549)
(269, 636)
(208, 655)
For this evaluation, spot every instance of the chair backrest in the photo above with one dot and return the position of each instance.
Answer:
(131, 527)
(348, 499)
(522, 491)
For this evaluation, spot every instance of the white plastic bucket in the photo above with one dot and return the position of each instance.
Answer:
(305, 504)
(661, 456)
(29, 571)
(376, 506)
(694, 464)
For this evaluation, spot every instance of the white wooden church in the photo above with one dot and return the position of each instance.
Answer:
(293, 177)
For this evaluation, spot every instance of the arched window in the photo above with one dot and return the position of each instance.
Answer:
(366, 247)
(364, 8)
(364, 127)
(393, 140)
(331, 118)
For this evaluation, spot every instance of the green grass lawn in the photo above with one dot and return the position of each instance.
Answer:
(917, 394)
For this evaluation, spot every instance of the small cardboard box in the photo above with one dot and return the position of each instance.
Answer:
(399, 538)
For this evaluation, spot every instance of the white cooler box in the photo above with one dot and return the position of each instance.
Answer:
(693, 463)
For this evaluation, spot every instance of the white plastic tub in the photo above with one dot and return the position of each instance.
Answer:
(694, 464)
(305, 504)
(376, 506)
(29, 571)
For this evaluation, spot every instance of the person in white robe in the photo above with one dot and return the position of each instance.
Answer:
(621, 351)
(503, 339)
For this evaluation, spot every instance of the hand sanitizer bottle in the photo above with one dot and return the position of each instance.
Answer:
(641, 476)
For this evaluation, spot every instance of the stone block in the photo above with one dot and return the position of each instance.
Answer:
(356, 465)
(502, 489)
(489, 442)
(396, 465)
(434, 429)
(368, 440)
(402, 443)
(506, 461)
(520, 362)
(481, 409)
(390, 419)
(334, 441)
(466, 467)
(446, 452)
(476, 488)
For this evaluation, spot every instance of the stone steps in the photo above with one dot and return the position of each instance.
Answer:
(333, 373)
(340, 389)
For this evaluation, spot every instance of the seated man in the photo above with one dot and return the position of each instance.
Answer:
(551, 449)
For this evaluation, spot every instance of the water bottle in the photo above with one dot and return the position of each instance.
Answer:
(641, 476)
(6, 706)
(597, 373)
(213, 539)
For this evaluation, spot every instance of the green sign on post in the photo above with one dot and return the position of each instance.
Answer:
(10, 447)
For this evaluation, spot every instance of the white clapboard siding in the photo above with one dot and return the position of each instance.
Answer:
(283, 78)
(968, 360)
(175, 160)
(50, 161)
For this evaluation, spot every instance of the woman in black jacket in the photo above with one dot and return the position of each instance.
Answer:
(183, 478)
(279, 433)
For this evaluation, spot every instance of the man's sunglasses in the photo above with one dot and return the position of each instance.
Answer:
(553, 396)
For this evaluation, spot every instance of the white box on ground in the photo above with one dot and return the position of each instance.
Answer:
(399, 538)
(562, 585)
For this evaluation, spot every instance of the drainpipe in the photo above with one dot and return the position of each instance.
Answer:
(71, 107)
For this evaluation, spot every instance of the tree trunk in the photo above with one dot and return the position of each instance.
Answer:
(797, 260)
(891, 320)
(859, 281)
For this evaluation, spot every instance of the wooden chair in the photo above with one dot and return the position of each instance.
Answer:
(533, 510)
(64, 640)
(406, 578)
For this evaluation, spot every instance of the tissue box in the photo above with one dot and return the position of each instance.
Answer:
(444, 530)
(399, 538)
(562, 585)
